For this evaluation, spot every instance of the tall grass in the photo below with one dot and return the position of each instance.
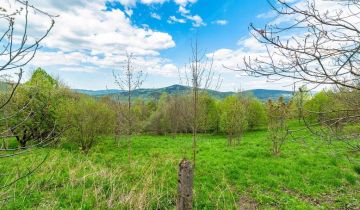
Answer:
(308, 175)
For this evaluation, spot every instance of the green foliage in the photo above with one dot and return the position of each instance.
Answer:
(159, 122)
(172, 115)
(318, 105)
(278, 115)
(35, 109)
(233, 120)
(298, 101)
(256, 114)
(325, 108)
(208, 114)
(87, 121)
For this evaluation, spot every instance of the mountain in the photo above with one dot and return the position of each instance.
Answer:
(98, 93)
(264, 94)
(155, 93)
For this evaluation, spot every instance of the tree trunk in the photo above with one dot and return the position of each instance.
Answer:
(185, 186)
(23, 143)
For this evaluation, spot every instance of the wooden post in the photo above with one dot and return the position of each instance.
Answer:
(185, 186)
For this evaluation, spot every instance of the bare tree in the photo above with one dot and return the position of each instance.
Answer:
(17, 48)
(129, 80)
(323, 51)
(317, 47)
(198, 75)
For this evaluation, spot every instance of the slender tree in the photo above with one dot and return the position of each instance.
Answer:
(129, 80)
(198, 75)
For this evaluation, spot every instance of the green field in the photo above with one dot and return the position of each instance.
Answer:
(310, 174)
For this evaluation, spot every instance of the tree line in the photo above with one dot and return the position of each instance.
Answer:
(49, 109)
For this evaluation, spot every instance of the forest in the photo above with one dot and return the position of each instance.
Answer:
(62, 148)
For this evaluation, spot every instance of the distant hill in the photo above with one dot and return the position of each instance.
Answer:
(98, 93)
(264, 94)
(149, 94)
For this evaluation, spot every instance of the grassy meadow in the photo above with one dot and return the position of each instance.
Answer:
(309, 174)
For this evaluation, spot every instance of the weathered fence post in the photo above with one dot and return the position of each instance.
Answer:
(185, 186)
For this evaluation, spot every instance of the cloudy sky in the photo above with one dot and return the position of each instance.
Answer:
(90, 38)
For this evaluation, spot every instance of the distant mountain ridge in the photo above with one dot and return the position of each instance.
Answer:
(155, 93)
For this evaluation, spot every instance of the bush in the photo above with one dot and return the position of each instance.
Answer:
(278, 114)
(233, 119)
(87, 119)
(256, 114)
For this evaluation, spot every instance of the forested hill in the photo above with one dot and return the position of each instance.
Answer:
(149, 94)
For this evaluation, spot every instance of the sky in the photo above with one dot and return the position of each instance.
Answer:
(91, 37)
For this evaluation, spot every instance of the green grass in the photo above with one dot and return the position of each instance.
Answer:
(309, 174)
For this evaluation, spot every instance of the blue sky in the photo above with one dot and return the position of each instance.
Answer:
(90, 39)
(238, 14)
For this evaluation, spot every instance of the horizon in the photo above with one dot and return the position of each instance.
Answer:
(142, 88)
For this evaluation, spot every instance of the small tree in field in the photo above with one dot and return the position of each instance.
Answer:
(277, 124)
(42, 96)
(198, 75)
(87, 120)
(233, 119)
(129, 80)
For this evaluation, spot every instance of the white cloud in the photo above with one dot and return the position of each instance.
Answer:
(185, 2)
(197, 20)
(251, 44)
(82, 69)
(183, 10)
(266, 15)
(249, 47)
(220, 22)
(132, 3)
(173, 19)
(155, 16)
(152, 1)
(129, 12)
(166, 70)
(221, 53)
(87, 38)
(127, 3)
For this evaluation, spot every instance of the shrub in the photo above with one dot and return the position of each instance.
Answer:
(34, 109)
(256, 114)
(278, 113)
(87, 120)
(233, 119)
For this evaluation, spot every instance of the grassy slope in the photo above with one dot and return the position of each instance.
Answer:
(308, 175)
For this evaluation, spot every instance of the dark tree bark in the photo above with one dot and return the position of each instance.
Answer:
(185, 186)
